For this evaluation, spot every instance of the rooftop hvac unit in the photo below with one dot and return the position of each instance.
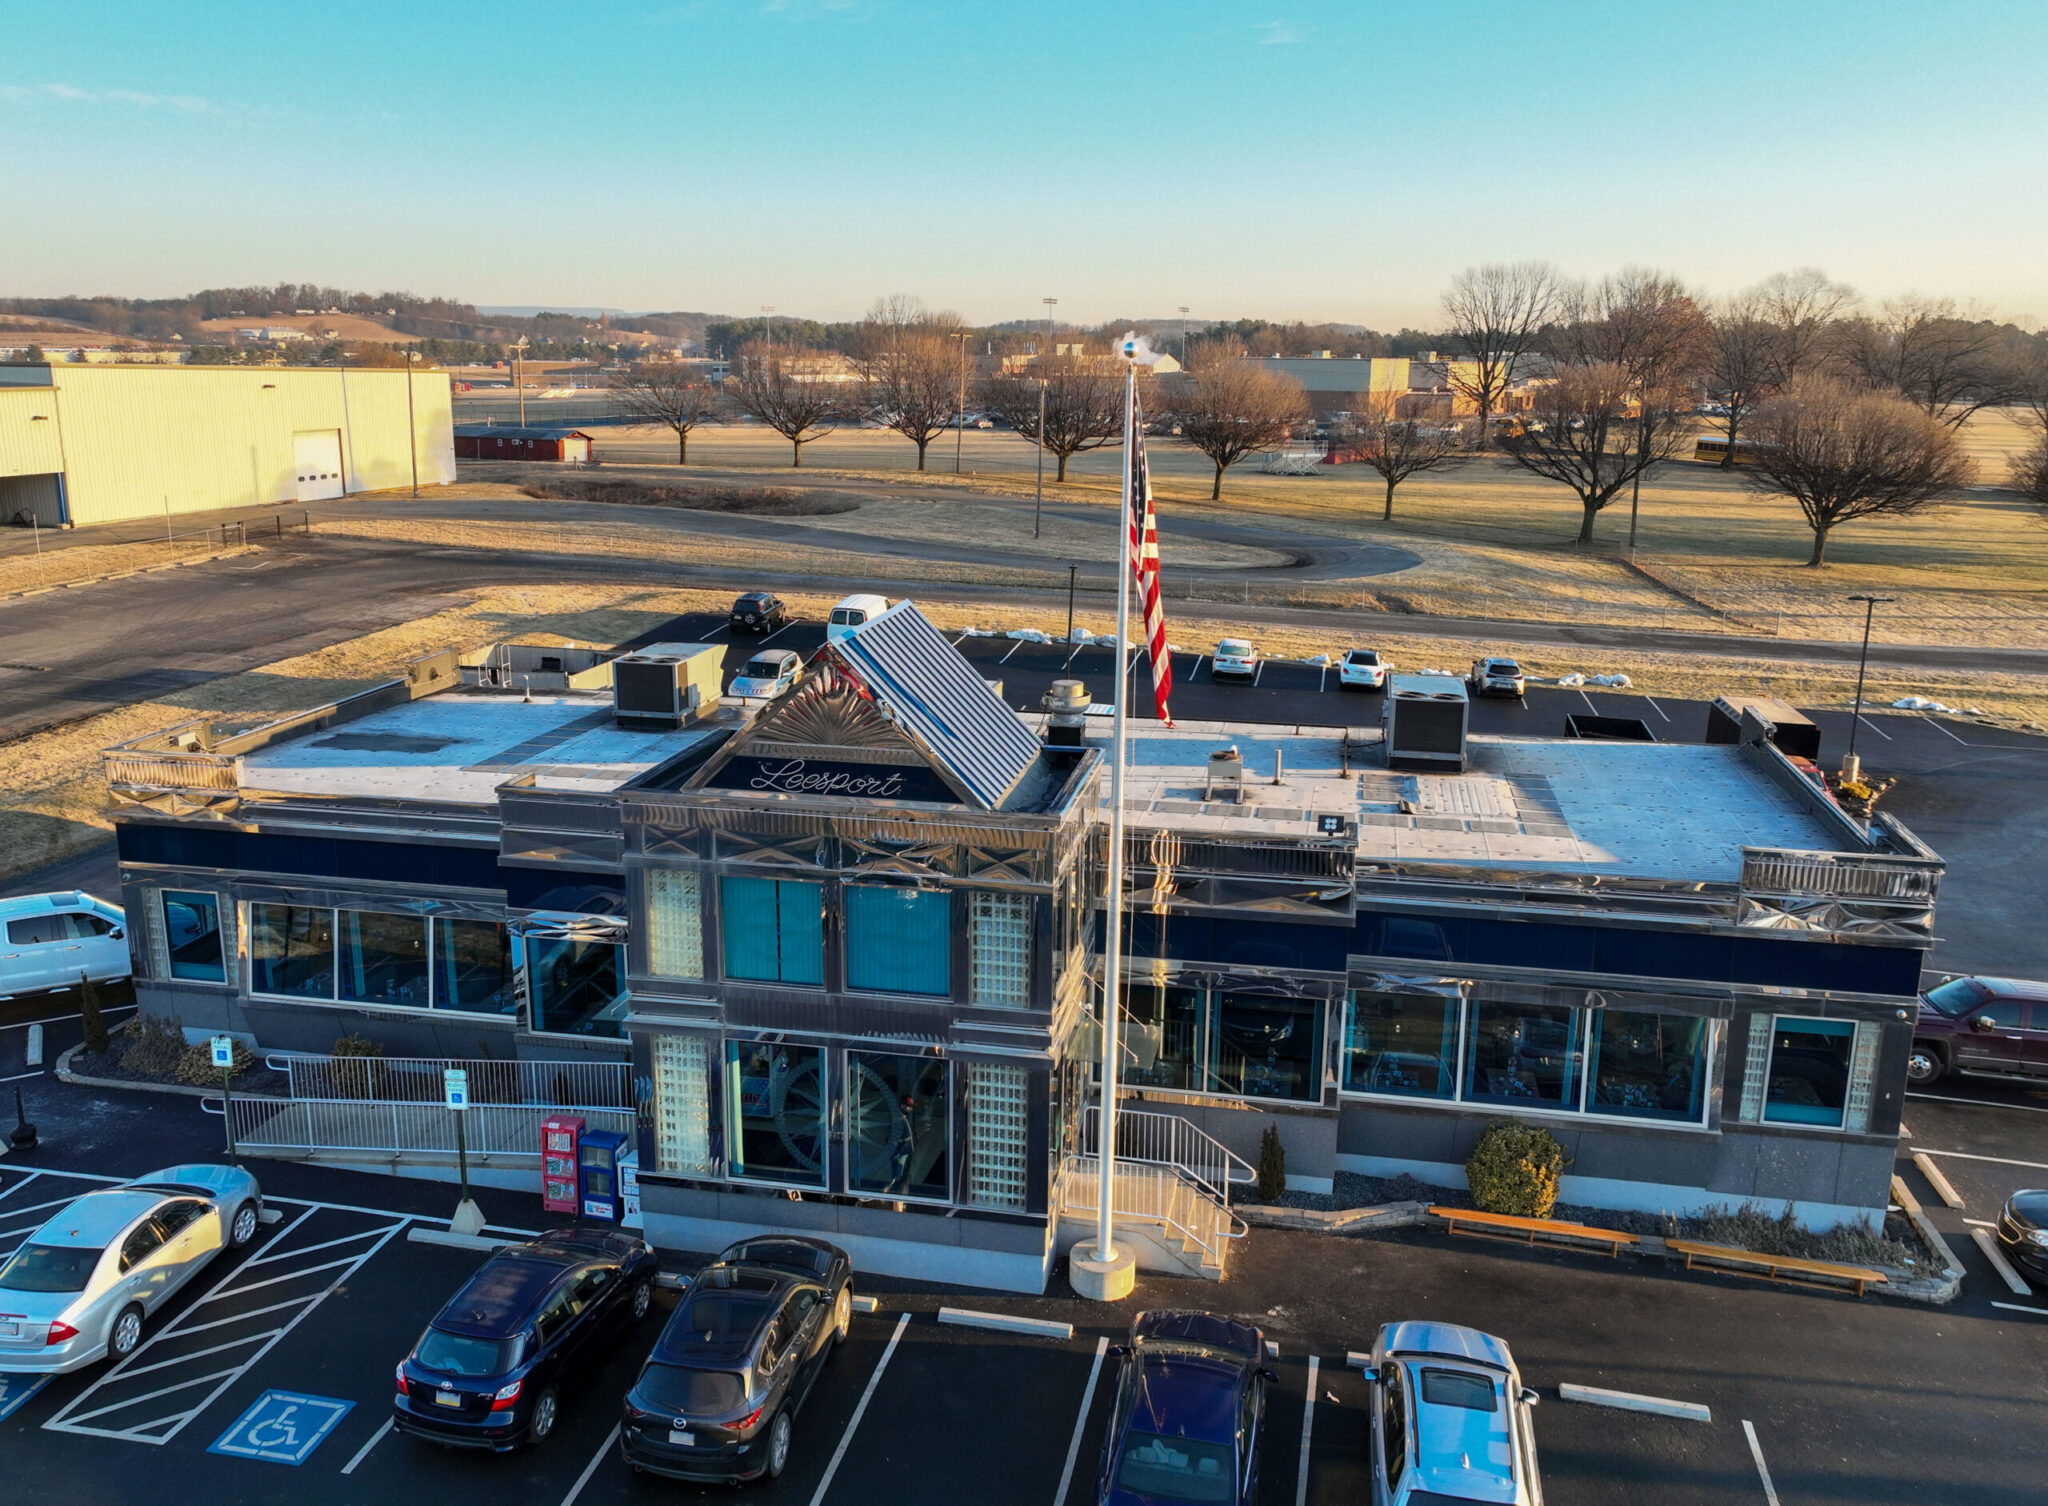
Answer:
(1426, 717)
(666, 684)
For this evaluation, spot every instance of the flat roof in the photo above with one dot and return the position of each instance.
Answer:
(1648, 810)
(457, 747)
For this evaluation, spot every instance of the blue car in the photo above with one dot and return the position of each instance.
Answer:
(1190, 1410)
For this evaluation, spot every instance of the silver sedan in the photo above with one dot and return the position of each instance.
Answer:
(80, 1288)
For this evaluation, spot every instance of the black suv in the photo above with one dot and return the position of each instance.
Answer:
(716, 1398)
(489, 1371)
(759, 612)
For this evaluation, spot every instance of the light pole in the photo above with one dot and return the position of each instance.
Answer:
(960, 408)
(412, 433)
(518, 377)
(1851, 769)
(768, 318)
(1183, 337)
(1038, 507)
(1073, 574)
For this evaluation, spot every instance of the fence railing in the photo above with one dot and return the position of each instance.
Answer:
(1169, 1141)
(1150, 1194)
(394, 1129)
(572, 1085)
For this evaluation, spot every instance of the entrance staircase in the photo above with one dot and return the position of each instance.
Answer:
(1172, 1198)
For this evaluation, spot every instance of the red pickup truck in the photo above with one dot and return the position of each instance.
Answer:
(1994, 1026)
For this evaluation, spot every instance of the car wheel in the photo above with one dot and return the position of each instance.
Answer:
(243, 1229)
(842, 1315)
(1924, 1064)
(545, 1406)
(125, 1337)
(642, 1295)
(778, 1445)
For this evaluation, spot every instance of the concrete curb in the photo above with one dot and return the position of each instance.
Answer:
(1338, 1221)
(417, 1235)
(63, 1073)
(1936, 1180)
(1037, 1328)
(1938, 1290)
(1629, 1401)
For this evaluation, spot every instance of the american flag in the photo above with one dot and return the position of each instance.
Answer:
(1143, 554)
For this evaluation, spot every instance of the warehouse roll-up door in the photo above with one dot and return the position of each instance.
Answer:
(316, 455)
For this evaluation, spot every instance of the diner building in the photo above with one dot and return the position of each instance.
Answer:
(848, 947)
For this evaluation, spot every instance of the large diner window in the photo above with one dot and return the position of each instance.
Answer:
(899, 940)
(1268, 1046)
(383, 959)
(1402, 1043)
(1525, 1054)
(773, 930)
(1647, 1066)
(775, 1104)
(191, 935)
(1164, 1030)
(291, 951)
(899, 1128)
(472, 966)
(1808, 1080)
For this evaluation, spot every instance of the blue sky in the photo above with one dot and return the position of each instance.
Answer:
(1293, 161)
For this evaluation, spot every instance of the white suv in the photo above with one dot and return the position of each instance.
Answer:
(1451, 1419)
(48, 940)
(1496, 677)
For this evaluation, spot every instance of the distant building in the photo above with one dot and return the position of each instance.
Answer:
(89, 443)
(1421, 387)
(510, 442)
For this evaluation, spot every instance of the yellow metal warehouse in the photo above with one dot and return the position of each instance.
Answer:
(96, 444)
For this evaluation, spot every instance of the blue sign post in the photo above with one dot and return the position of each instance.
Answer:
(283, 1427)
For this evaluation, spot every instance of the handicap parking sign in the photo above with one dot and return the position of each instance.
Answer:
(283, 1427)
(16, 1389)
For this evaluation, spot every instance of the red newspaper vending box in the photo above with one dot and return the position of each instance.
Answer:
(561, 1137)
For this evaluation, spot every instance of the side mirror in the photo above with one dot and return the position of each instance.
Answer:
(118, 934)
(1984, 1024)
(1118, 1349)
(1270, 1376)
(1530, 1396)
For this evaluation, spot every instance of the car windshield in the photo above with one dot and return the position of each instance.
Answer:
(1506, 667)
(464, 1354)
(689, 1393)
(1233, 648)
(1958, 995)
(49, 1268)
(1175, 1469)
(761, 669)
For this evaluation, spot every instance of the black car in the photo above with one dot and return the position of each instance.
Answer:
(759, 612)
(717, 1397)
(1190, 1410)
(490, 1370)
(2023, 1232)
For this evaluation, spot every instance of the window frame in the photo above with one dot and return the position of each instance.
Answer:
(729, 1115)
(725, 951)
(923, 896)
(951, 1195)
(163, 896)
(533, 993)
(250, 930)
(1841, 1124)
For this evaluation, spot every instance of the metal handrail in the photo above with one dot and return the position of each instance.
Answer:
(577, 1085)
(1149, 1198)
(1151, 1138)
(391, 1128)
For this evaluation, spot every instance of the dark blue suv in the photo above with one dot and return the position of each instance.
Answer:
(490, 1370)
(1190, 1410)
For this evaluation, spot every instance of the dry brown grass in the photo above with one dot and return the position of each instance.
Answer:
(55, 567)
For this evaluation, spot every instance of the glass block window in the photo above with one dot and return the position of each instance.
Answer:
(675, 923)
(1862, 1077)
(1755, 1068)
(682, 1104)
(1000, 948)
(996, 1140)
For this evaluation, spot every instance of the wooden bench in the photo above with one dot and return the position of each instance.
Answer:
(1529, 1230)
(1776, 1267)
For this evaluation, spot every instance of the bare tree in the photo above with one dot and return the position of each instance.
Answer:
(1583, 432)
(1742, 361)
(671, 394)
(911, 365)
(1802, 306)
(1843, 454)
(1084, 402)
(1400, 447)
(1947, 363)
(778, 388)
(1231, 406)
(1495, 313)
(2030, 473)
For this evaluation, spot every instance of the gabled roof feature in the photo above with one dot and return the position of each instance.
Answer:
(930, 689)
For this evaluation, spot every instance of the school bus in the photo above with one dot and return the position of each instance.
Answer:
(1713, 449)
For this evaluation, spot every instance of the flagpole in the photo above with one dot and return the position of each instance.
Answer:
(1113, 963)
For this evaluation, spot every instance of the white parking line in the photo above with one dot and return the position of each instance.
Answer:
(2012, 1278)
(2014, 1307)
(1589, 703)
(25, 1076)
(1962, 1155)
(364, 1452)
(1081, 1422)
(58, 1019)
(1763, 1471)
(1013, 649)
(1308, 1427)
(1980, 1103)
(1196, 665)
(1873, 726)
(237, 1291)
(325, 1244)
(1256, 673)
(1937, 726)
(590, 1469)
(1658, 709)
(853, 1422)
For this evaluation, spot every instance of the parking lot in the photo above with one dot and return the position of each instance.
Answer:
(1849, 1401)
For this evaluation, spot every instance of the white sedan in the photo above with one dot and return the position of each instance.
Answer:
(1364, 669)
(1236, 657)
(767, 675)
(80, 1288)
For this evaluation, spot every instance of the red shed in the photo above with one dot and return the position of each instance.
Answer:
(512, 442)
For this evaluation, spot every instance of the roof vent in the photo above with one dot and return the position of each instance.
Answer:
(1066, 706)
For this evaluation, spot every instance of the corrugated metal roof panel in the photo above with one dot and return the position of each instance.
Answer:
(936, 694)
(514, 431)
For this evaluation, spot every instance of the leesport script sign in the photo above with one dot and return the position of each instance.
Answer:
(849, 781)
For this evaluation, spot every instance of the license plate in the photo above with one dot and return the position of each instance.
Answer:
(447, 1399)
(10, 1330)
(681, 1440)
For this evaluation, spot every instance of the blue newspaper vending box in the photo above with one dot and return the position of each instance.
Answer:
(598, 1170)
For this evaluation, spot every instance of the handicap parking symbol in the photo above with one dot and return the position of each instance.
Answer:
(282, 1427)
(16, 1389)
